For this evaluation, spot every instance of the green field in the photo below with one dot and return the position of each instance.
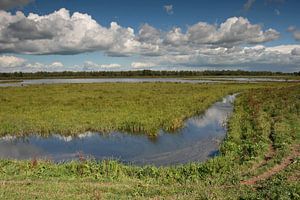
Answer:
(71, 109)
(259, 158)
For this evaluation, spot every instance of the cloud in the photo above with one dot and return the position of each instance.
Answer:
(258, 57)
(175, 37)
(62, 33)
(296, 35)
(234, 31)
(248, 5)
(284, 49)
(233, 43)
(91, 66)
(296, 51)
(9, 4)
(11, 61)
(112, 65)
(169, 9)
(142, 64)
(291, 28)
(149, 34)
(56, 65)
(295, 32)
(280, 58)
(277, 12)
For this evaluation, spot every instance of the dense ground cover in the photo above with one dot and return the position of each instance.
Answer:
(133, 107)
(141, 74)
(262, 145)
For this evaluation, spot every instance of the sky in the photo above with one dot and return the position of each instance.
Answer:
(115, 35)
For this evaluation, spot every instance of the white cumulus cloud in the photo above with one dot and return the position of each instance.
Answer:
(142, 64)
(91, 66)
(11, 61)
(62, 33)
(56, 64)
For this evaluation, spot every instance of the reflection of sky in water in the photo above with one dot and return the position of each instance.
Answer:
(102, 80)
(140, 80)
(196, 141)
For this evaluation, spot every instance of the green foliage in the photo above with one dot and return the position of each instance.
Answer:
(141, 73)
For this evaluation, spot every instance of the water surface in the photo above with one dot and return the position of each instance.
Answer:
(140, 80)
(198, 140)
(103, 80)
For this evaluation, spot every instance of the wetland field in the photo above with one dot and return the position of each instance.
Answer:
(255, 156)
(71, 109)
(158, 100)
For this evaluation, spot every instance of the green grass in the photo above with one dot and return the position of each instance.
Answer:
(134, 107)
(262, 117)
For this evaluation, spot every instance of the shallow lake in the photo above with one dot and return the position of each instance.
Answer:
(139, 80)
(198, 140)
(102, 80)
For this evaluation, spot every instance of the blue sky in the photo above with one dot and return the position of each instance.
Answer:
(178, 35)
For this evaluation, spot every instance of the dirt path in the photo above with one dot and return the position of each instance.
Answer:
(274, 170)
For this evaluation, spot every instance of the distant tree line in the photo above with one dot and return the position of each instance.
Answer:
(141, 73)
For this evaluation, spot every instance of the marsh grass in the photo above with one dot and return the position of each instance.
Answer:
(262, 117)
(71, 109)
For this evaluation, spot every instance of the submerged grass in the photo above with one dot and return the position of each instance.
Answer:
(262, 118)
(71, 109)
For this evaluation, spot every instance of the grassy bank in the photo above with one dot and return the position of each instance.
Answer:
(263, 135)
(134, 107)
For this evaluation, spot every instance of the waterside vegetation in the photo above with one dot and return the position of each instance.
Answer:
(259, 159)
(71, 109)
(146, 73)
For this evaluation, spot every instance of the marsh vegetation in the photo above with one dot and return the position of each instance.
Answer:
(259, 158)
(71, 109)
